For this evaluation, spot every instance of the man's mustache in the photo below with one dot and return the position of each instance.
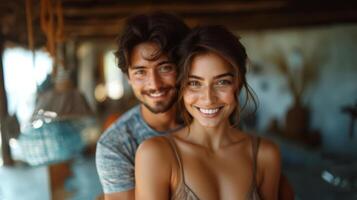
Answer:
(161, 89)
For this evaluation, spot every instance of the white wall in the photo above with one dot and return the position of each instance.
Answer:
(333, 52)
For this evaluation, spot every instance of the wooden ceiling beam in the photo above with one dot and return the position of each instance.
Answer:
(125, 9)
(97, 18)
(111, 28)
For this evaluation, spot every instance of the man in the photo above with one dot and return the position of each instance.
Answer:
(146, 54)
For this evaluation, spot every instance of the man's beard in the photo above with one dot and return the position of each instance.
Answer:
(162, 106)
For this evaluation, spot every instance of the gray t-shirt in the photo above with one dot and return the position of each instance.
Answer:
(115, 154)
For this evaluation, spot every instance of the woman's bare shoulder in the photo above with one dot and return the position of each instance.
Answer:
(269, 153)
(154, 155)
(155, 147)
(151, 157)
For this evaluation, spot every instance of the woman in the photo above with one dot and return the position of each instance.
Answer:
(209, 158)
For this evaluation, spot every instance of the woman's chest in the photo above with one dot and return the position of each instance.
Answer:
(218, 177)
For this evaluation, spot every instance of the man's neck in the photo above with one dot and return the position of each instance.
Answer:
(160, 121)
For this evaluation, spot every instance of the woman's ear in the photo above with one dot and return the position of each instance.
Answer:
(238, 84)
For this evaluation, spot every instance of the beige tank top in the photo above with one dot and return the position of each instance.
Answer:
(184, 192)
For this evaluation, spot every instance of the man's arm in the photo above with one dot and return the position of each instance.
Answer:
(115, 166)
(126, 195)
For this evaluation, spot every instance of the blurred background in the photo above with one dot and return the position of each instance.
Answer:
(60, 88)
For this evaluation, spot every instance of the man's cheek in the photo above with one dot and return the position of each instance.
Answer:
(170, 78)
(137, 82)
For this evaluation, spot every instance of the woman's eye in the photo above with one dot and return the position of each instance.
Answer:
(193, 83)
(224, 82)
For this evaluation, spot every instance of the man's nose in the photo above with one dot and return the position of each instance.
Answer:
(154, 80)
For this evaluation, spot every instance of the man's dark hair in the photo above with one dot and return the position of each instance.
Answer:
(164, 29)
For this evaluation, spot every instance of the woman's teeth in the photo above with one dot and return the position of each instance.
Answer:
(208, 111)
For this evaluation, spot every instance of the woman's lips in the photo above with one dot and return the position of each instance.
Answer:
(209, 112)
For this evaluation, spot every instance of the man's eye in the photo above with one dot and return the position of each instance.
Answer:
(166, 68)
(139, 72)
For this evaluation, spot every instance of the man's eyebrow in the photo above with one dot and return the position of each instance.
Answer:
(137, 67)
(165, 62)
(143, 67)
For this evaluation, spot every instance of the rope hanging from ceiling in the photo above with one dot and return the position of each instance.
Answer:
(29, 25)
(52, 25)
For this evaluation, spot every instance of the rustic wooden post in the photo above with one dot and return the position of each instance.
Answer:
(5, 148)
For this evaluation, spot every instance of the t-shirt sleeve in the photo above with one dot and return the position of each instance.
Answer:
(115, 162)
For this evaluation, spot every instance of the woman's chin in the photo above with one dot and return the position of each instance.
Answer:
(209, 123)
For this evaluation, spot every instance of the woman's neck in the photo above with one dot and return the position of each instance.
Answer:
(212, 138)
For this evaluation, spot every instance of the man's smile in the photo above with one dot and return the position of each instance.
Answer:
(157, 93)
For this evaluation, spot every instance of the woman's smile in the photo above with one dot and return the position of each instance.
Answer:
(209, 112)
(209, 95)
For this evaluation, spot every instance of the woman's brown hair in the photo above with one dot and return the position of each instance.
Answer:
(219, 40)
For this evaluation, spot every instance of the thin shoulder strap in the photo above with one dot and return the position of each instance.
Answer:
(255, 148)
(177, 155)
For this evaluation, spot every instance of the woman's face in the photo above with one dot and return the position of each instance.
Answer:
(209, 95)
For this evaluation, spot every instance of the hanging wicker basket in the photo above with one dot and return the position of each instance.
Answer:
(52, 142)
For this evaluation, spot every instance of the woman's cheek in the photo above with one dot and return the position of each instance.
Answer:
(227, 96)
(189, 97)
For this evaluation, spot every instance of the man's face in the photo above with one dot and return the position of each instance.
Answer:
(152, 77)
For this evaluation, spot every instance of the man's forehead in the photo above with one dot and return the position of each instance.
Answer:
(149, 64)
(147, 53)
(147, 50)
(150, 54)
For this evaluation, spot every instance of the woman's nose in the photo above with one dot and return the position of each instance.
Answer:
(208, 95)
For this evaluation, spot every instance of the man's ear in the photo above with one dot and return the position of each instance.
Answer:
(128, 78)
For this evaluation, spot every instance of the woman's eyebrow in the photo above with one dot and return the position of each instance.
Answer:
(195, 77)
(215, 77)
(223, 75)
